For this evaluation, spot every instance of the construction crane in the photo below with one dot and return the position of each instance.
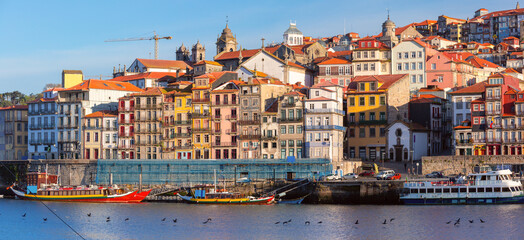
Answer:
(155, 37)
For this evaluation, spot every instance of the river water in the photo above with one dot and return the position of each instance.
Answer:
(257, 222)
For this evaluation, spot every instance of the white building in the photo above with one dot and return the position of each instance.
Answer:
(324, 126)
(42, 120)
(267, 63)
(409, 57)
(461, 101)
(78, 101)
(293, 36)
(404, 139)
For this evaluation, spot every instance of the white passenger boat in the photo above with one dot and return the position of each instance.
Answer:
(494, 187)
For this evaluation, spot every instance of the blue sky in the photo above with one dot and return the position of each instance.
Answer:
(40, 38)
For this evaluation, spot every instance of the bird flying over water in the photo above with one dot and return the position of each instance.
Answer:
(482, 221)
(24, 215)
(449, 222)
(174, 220)
(277, 222)
(320, 222)
(470, 221)
(45, 219)
(89, 214)
(356, 222)
(163, 219)
(127, 219)
(108, 220)
(307, 223)
(385, 221)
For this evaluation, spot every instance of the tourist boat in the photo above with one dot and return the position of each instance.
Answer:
(225, 198)
(493, 187)
(83, 194)
(42, 186)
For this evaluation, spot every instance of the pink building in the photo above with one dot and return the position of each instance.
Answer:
(224, 126)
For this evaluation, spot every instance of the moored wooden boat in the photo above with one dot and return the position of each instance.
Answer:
(84, 195)
(227, 198)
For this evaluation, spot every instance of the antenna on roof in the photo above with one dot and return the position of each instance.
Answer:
(387, 9)
(227, 21)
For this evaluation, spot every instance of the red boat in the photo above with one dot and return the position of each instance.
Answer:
(42, 186)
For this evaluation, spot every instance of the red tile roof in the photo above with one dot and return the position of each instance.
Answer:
(320, 99)
(100, 114)
(169, 64)
(386, 80)
(481, 63)
(146, 75)
(154, 91)
(55, 89)
(208, 62)
(334, 61)
(473, 89)
(292, 64)
(245, 53)
(104, 84)
(426, 22)
(324, 84)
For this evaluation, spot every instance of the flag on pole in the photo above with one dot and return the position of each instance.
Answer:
(491, 124)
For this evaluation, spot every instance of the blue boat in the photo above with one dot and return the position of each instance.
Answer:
(494, 187)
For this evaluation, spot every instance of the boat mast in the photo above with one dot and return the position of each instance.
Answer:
(215, 174)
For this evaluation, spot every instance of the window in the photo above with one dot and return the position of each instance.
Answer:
(352, 101)
(382, 132)
(362, 117)
(291, 143)
(299, 129)
(382, 100)
(371, 101)
(399, 55)
(419, 54)
(362, 87)
(413, 54)
(420, 66)
(382, 116)
(433, 66)
(406, 55)
(328, 70)
(362, 101)
(372, 132)
(371, 116)
(283, 130)
(420, 78)
(372, 66)
(413, 78)
(413, 66)
(351, 132)
(358, 68)
(399, 66)
(362, 133)
(291, 129)
(372, 86)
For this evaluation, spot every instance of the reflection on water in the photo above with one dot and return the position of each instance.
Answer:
(258, 222)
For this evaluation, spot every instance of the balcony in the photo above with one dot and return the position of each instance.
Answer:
(35, 141)
(249, 122)
(48, 142)
(493, 140)
(126, 147)
(49, 126)
(150, 131)
(67, 126)
(232, 117)
(114, 128)
(216, 131)
(224, 144)
(232, 131)
(220, 103)
(492, 112)
(126, 134)
(479, 140)
(511, 140)
(464, 142)
(181, 135)
(269, 138)
(216, 117)
(291, 120)
(510, 126)
(148, 106)
(369, 122)
(35, 126)
(289, 105)
(183, 122)
(126, 121)
(493, 97)
(201, 129)
(249, 136)
(325, 110)
(184, 147)
(126, 109)
(71, 140)
(200, 100)
(325, 127)
(152, 119)
(200, 115)
(519, 113)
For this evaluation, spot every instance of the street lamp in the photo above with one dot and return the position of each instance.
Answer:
(411, 151)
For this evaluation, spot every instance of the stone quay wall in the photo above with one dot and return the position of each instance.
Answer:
(467, 164)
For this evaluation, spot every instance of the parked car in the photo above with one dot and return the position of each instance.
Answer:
(435, 175)
(395, 176)
(243, 180)
(350, 176)
(367, 174)
(332, 177)
(384, 174)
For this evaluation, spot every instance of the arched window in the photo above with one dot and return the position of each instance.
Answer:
(231, 49)
(201, 57)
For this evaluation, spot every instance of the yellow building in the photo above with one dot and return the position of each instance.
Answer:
(372, 103)
(177, 125)
(201, 116)
(71, 78)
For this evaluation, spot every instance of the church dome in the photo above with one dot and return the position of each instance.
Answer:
(226, 33)
(293, 29)
(388, 23)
